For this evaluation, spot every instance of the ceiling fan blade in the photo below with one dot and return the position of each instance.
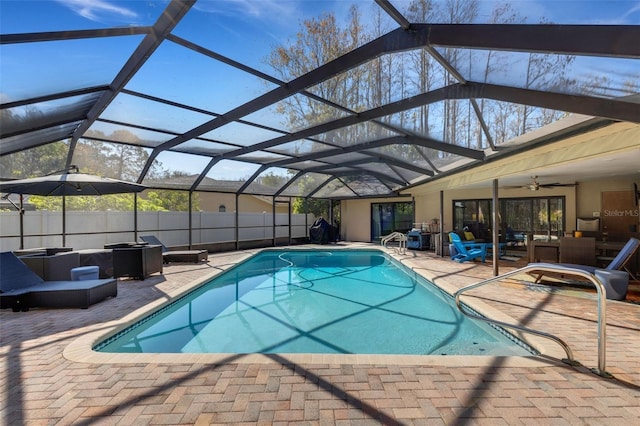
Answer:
(555, 185)
(535, 185)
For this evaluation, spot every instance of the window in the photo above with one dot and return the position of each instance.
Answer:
(222, 208)
(390, 217)
(543, 217)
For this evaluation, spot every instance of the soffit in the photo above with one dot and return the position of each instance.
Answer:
(610, 151)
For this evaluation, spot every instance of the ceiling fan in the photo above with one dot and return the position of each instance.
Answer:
(535, 185)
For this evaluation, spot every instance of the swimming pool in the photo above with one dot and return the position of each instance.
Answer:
(311, 301)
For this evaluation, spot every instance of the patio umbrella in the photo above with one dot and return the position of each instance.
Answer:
(69, 184)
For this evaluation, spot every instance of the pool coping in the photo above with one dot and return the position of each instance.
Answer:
(81, 349)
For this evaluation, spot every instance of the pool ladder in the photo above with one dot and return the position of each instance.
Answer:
(396, 236)
(560, 269)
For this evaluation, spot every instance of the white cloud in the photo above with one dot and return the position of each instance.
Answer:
(633, 14)
(262, 9)
(96, 10)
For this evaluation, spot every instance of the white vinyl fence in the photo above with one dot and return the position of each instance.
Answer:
(95, 229)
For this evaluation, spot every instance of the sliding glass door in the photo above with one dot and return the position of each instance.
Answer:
(473, 216)
(390, 217)
(543, 217)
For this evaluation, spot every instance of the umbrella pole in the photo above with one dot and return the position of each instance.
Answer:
(135, 217)
(21, 223)
(64, 221)
(190, 219)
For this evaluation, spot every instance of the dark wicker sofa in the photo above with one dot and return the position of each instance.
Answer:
(22, 289)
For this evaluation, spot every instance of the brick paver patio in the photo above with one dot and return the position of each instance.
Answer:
(42, 385)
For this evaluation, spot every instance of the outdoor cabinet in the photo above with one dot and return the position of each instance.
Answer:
(137, 261)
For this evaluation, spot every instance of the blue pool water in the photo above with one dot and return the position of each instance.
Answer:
(308, 301)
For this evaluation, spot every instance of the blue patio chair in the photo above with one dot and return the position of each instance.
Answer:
(470, 243)
(464, 253)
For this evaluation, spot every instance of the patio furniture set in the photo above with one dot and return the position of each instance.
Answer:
(582, 254)
(64, 278)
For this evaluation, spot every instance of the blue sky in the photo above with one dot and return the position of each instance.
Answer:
(19, 16)
(601, 12)
(244, 30)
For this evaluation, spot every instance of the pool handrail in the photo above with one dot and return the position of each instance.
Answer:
(395, 236)
(560, 269)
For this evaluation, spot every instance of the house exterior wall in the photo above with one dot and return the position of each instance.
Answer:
(356, 214)
(211, 202)
(356, 217)
(580, 201)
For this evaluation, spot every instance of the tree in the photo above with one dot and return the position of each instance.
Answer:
(369, 85)
(118, 160)
(167, 200)
(112, 202)
(315, 206)
(422, 62)
(303, 205)
(157, 200)
(170, 200)
(272, 180)
(544, 72)
(34, 162)
(318, 42)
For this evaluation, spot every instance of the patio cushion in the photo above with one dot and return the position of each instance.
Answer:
(168, 255)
